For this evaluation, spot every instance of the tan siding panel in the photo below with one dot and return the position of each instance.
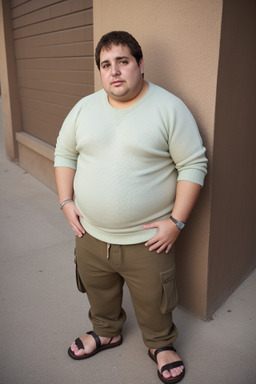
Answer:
(58, 24)
(74, 63)
(79, 77)
(38, 10)
(17, 3)
(45, 107)
(42, 120)
(50, 97)
(21, 7)
(64, 50)
(50, 86)
(45, 131)
(80, 34)
(54, 53)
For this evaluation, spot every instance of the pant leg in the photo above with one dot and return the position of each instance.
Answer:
(151, 280)
(104, 286)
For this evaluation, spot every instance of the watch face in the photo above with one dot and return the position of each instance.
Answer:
(180, 224)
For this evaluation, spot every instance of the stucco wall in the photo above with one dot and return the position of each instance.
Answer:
(180, 41)
(233, 220)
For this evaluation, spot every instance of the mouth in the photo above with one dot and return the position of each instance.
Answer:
(117, 83)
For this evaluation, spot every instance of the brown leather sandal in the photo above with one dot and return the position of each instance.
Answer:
(176, 364)
(98, 349)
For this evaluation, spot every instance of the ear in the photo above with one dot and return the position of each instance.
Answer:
(141, 65)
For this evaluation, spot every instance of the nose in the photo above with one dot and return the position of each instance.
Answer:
(115, 71)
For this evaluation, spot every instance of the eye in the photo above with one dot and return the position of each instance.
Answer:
(123, 62)
(105, 66)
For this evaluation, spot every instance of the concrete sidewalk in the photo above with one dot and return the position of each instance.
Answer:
(42, 312)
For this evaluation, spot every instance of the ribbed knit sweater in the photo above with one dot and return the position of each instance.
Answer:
(128, 161)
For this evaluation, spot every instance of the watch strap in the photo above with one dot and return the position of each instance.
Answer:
(179, 224)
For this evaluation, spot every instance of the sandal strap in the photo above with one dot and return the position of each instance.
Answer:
(79, 343)
(96, 338)
(170, 366)
(169, 348)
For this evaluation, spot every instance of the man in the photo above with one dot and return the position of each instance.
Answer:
(129, 166)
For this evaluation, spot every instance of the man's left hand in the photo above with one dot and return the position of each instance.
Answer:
(166, 236)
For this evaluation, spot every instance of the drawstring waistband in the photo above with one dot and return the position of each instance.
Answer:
(108, 249)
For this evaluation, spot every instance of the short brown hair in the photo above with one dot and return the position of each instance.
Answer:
(119, 38)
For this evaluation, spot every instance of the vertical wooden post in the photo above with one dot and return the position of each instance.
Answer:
(8, 78)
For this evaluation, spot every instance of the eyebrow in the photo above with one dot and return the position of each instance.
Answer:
(116, 58)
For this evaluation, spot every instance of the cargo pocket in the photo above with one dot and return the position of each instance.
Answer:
(169, 298)
(79, 283)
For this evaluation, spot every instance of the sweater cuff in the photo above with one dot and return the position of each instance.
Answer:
(63, 162)
(193, 175)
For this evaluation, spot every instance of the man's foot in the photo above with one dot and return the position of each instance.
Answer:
(90, 344)
(168, 358)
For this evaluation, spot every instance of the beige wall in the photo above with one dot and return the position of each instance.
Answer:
(232, 253)
(180, 41)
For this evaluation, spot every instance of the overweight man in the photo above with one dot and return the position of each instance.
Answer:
(129, 164)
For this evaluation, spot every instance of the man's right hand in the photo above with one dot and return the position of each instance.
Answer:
(72, 215)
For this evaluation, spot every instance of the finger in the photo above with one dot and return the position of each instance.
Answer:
(77, 223)
(77, 228)
(78, 213)
(155, 246)
(77, 232)
(74, 218)
(161, 249)
(168, 248)
(81, 230)
(151, 241)
(151, 225)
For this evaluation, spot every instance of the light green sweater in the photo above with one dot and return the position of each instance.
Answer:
(128, 161)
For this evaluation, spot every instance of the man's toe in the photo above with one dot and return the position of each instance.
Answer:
(173, 372)
(166, 374)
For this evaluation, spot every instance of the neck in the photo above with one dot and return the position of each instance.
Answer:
(126, 104)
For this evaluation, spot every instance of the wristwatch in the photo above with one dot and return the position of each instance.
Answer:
(179, 224)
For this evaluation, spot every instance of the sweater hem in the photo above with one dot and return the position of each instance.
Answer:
(119, 238)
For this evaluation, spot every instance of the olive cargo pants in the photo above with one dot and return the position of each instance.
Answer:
(103, 268)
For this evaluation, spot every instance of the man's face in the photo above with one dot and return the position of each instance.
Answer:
(121, 75)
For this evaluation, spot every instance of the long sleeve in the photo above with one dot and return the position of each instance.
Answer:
(186, 147)
(65, 152)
